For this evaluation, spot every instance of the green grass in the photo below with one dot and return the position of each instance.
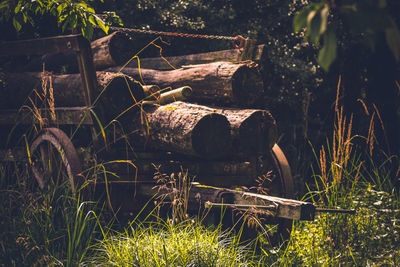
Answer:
(165, 244)
(371, 237)
(45, 228)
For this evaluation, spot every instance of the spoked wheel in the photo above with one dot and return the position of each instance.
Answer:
(54, 160)
(276, 180)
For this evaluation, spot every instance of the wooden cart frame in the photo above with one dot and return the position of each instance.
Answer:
(282, 210)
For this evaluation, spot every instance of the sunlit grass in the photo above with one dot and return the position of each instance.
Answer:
(166, 244)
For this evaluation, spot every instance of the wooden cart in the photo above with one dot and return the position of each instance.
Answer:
(220, 182)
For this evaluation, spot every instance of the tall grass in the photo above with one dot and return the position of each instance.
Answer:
(347, 176)
(45, 228)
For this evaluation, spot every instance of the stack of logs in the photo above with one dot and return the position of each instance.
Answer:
(212, 124)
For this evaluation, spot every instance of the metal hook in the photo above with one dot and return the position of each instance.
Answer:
(239, 42)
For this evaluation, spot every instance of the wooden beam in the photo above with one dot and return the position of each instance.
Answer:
(63, 116)
(42, 46)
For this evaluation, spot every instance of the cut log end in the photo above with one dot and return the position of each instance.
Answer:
(257, 133)
(120, 94)
(210, 136)
(120, 47)
(246, 85)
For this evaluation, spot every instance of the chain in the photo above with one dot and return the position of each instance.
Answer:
(238, 40)
(185, 35)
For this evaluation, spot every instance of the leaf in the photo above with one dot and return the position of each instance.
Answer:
(101, 24)
(327, 54)
(17, 24)
(87, 31)
(313, 28)
(60, 9)
(324, 19)
(310, 17)
(91, 20)
(18, 7)
(393, 41)
(300, 19)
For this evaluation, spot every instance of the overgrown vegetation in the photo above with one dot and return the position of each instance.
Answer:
(354, 169)
(55, 228)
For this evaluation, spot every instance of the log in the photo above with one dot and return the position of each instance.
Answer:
(118, 91)
(256, 53)
(218, 83)
(188, 129)
(254, 131)
(111, 50)
(119, 94)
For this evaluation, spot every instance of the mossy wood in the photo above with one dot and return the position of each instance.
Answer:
(216, 83)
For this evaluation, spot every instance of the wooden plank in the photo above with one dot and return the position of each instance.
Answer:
(64, 116)
(169, 63)
(235, 199)
(42, 46)
(285, 208)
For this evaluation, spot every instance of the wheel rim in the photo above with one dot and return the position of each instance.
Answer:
(278, 183)
(282, 167)
(54, 159)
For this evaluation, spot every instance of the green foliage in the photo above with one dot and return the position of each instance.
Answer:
(370, 237)
(364, 19)
(72, 15)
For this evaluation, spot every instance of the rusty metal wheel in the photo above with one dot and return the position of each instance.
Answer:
(282, 168)
(54, 160)
(278, 182)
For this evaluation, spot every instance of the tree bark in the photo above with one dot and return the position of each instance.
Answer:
(188, 129)
(217, 83)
